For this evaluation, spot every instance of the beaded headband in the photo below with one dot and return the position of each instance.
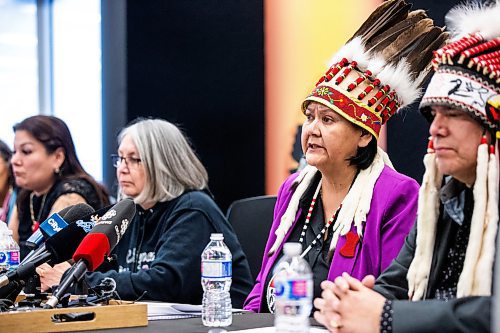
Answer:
(468, 69)
(381, 68)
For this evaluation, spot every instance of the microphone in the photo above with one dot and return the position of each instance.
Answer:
(72, 234)
(98, 244)
(52, 225)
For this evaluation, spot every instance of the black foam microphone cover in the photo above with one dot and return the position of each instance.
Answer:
(114, 223)
(62, 245)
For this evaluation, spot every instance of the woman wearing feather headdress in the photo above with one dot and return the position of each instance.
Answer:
(446, 265)
(349, 208)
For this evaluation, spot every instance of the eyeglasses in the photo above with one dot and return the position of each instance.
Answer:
(130, 162)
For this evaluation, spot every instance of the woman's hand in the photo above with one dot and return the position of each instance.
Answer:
(51, 276)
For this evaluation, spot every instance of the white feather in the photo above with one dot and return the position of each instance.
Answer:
(474, 18)
(354, 50)
(377, 63)
(399, 79)
(466, 279)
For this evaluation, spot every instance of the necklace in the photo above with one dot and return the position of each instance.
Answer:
(308, 218)
(270, 290)
(36, 222)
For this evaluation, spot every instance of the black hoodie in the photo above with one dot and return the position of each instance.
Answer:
(160, 253)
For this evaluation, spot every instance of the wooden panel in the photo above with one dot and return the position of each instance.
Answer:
(108, 316)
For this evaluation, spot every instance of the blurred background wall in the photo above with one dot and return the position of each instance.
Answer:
(231, 73)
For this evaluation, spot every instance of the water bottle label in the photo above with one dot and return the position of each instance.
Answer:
(216, 269)
(292, 289)
(3, 257)
(13, 258)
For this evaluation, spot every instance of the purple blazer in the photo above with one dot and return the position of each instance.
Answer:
(392, 214)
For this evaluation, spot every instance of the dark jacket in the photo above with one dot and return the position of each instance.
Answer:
(467, 314)
(160, 253)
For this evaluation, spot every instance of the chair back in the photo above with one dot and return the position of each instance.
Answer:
(251, 219)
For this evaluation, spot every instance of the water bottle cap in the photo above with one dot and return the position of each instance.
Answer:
(3, 227)
(292, 249)
(215, 236)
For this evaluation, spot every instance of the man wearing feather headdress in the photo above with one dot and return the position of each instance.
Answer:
(441, 280)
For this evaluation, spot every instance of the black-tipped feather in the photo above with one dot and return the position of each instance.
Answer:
(379, 42)
(378, 18)
(384, 22)
(406, 41)
(421, 52)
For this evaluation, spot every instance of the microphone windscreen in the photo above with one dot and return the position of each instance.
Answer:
(106, 233)
(63, 244)
(92, 249)
(77, 212)
(64, 211)
(115, 222)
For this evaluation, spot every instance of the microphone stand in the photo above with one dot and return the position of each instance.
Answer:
(75, 273)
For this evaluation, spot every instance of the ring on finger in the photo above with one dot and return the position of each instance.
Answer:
(335, 324)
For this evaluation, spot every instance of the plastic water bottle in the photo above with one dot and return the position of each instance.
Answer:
(216, 274)
(13, 251)
(4, 256)
(294, 291)
(9, 250)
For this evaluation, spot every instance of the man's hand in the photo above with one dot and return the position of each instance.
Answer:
(349, 305)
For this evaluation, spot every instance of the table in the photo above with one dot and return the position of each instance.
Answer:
(193, 325)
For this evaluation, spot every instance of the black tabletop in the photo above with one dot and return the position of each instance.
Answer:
(194, 325)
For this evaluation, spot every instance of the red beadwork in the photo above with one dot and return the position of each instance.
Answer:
(449, 51)
(356, 83)
(478, 49)
(492, 149)
(486, 57)
(368, 89)
(344, 73)
(363, 76)
(379, 95)
(484, 140)
(391, 108)
(332, 71)
(384, 102)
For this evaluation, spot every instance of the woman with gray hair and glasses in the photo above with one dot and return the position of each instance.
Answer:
(160, 254)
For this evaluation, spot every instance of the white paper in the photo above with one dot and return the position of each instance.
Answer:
(272, 330)
(161, 310)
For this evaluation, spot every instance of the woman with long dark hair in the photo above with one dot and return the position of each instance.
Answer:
(49, 175)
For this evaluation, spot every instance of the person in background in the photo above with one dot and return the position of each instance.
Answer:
(159, 256)
(50, 178)
(7, 190)
(441, 280)
(349, 208)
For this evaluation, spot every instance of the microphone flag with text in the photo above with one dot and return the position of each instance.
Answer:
(69, 215)
(52, 225)
(96, 246)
